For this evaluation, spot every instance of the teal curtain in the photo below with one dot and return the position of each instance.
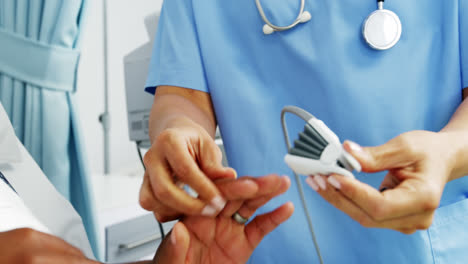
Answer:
(39, 55)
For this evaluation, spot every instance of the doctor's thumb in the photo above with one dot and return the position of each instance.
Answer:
(210, 160)
(218, 171)
(375, 159)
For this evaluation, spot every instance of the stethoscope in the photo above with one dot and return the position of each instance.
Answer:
(381, 29)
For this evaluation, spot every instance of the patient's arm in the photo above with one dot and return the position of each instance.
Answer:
(194, 240)
(28, 246)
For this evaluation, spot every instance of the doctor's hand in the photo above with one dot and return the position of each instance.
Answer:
(183, 154)
(208, 240)
(419, 164)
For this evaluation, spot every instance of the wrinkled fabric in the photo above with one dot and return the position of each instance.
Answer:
(32, 201)
(9, 150)
(37, 82)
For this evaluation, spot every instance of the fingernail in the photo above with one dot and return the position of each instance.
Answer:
(310, 181)
(235, 173)
(231, 170)
(173, 236)
(321, 182)
(209, 211)
(218, 203)
(249, 182)
(334, 182)
(355, 147)
(287, 178)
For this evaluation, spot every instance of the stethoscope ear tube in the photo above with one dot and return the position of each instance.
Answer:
(270, 28)
(381, 29)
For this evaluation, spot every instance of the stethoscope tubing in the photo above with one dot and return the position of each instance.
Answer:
(280, 28)
(305, 16)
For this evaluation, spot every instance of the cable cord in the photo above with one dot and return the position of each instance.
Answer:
(161, 228)
(306, 117)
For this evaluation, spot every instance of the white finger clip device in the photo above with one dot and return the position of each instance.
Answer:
(317, 150)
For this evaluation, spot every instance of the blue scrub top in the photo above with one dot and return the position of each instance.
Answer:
(325, 67)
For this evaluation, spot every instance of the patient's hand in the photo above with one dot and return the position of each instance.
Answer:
(27, 246)
(199, 239)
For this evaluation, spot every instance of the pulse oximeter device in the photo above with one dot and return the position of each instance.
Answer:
(317, 150)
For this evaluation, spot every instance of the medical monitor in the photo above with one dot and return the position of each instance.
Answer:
(139, 102)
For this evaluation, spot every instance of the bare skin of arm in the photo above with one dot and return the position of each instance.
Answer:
(458, 127)
(194, 239)
(191, 104)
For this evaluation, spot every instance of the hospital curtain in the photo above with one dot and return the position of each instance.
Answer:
(39, 54)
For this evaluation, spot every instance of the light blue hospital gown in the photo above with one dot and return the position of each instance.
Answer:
(324, 66)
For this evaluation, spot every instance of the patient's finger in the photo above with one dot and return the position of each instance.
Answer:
(268, 184)
(251, 206)
(267, 187)
(264, 224)
(235, 192)
(231, 208)
(175, 248)
(240, 189)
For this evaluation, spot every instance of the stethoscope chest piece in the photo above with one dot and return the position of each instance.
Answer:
(382, 29)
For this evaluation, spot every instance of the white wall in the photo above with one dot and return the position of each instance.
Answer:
(126, 32)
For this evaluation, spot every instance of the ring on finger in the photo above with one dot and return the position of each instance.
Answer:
(239, 218)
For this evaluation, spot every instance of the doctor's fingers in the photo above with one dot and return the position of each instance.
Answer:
(251, 206)
(411, 196)
(238, 190)
(396, 153)
(179, 159)
(210, 160)
(268, 187)
(169, 194)
(406, 224)
(148, 202)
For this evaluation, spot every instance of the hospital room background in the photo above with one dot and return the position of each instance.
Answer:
(115, 49)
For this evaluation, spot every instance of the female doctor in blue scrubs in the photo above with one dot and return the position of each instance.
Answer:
(214, 65)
